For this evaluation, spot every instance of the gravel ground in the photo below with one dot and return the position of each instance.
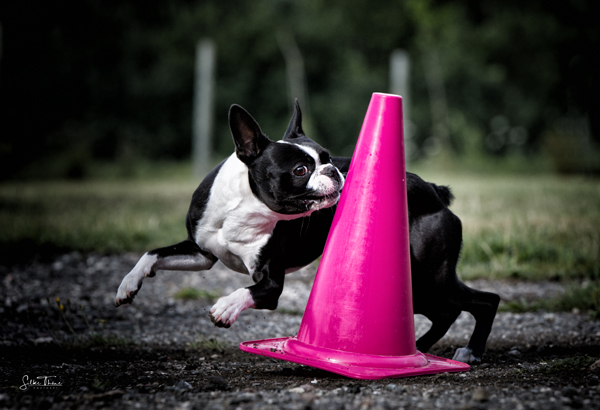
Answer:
(163, 352)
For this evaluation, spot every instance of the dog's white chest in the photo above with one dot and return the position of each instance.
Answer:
(235, 225)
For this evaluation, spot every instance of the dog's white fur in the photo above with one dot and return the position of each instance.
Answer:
(235, 224)
(465, 355)
(228, 308)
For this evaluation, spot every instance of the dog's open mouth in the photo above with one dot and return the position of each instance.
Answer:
(315, 202)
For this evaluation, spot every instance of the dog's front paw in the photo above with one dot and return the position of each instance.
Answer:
(465, 355)
(227, 309)
(129, 287)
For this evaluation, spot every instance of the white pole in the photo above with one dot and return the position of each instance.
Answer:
(400, 85)
(202, 121)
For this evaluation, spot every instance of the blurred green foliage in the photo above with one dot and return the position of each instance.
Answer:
(86, 81)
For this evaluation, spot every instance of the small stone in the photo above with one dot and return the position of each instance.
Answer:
(354, 389)
(217, 383)
(308, 397)
(43, 340)
(595, 367)
(514, 352)
(297, 390)
(481, 395)
(569, 392)
(182, 385)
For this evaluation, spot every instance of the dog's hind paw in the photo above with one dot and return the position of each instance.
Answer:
(465, 355)
(227, 309)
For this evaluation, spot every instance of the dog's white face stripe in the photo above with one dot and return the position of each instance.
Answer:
(310, 151)
(317, 182)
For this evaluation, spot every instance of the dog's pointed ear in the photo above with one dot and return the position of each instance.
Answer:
(247, 135)
(294, 129)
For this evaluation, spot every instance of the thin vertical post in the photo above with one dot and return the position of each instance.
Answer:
(400, 85)
(202, 121)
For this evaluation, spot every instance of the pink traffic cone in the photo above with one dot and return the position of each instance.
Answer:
(359, 318)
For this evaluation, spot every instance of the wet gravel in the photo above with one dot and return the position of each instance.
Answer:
(163, 351)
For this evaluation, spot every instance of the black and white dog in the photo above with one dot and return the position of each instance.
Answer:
(266, 211)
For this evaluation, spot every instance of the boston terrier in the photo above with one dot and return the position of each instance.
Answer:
(266, 211)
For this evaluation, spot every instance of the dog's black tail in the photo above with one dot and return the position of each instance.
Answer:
(444, 193)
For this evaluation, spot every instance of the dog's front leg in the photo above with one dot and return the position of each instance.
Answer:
(262, 295)
(185, 255)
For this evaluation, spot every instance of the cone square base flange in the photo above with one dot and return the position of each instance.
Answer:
(357, 366)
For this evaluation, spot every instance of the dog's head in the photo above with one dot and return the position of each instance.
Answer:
(291, 176)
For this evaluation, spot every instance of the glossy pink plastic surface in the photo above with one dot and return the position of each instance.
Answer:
(359, 318)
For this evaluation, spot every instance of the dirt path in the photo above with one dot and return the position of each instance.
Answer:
(163, 352)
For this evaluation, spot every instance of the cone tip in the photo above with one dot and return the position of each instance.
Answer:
(386, 95)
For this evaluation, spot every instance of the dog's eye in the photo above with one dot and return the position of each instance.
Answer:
(300, 171)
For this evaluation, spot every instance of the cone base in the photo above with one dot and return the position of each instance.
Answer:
(357, 366)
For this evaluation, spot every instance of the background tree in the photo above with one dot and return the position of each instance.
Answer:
(87, 81)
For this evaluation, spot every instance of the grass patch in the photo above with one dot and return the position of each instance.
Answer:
(522, 306)
(569, 364)
(530, 227)
(197, 294)
(582, 298)
(93, 216)
(585, 298)
(204, 343)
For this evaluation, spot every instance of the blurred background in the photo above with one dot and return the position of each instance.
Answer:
(94, 89)
(110, 112)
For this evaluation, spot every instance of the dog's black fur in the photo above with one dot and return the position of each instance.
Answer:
(435, 244)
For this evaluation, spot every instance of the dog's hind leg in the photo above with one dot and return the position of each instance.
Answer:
(441, 321)
(185, 256)
(483, 306)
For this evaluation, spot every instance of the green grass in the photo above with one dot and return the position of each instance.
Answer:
(197, 294)
(95, 216)
(584, 298)
(569, 365)
(208, 343)
(529, 227)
